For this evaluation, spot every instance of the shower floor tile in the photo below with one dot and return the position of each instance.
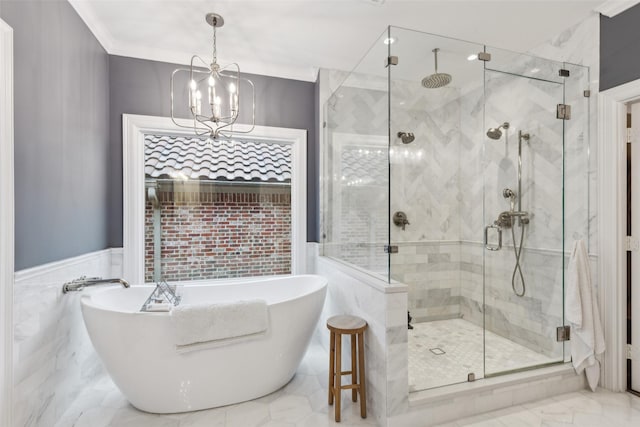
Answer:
(444, 352)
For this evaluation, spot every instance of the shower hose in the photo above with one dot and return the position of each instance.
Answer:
(517, 249)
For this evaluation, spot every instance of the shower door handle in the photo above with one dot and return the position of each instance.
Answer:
(486, 238)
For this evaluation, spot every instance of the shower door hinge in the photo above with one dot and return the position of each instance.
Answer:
(564, 73)
(563, 112)
(391, 249)
(391, 60)
(632, 244)
(484, 56)
(563, 333)
(587, 93)
(629, 352)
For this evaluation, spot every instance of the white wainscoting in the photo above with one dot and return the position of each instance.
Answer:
(53, 356)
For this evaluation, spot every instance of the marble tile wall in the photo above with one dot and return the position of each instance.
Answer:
(432, 271)
(384, 307)
(529, 320)
(579, 45)
(425, 178)
(53, 356)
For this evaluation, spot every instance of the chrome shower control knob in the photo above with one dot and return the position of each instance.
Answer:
(508, 193)
(400, 219)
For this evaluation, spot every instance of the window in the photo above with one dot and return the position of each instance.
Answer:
(216, 209)
(195, 209)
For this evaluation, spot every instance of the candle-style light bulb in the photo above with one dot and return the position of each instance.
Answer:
(216, 107)
(212, 89)
(198, 103)
(192, 95)
(233, 98)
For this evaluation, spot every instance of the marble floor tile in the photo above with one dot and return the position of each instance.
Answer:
(580, 409)
(302, 402)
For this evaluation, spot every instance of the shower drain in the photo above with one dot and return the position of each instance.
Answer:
(437, 351)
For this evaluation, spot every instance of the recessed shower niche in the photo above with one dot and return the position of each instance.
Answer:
(493, 185)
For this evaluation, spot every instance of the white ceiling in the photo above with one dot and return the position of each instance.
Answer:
(293, 38)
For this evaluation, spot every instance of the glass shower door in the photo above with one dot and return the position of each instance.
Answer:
(434, 156)
(523, 212)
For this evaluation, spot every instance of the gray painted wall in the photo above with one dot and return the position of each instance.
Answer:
(620, 48)
(142, 87)
(61, 133)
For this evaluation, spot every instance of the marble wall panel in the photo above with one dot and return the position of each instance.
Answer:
(352, 292)
(490, 300)
(53, 356)
(579, 45)
(424, 173)
(432, 272)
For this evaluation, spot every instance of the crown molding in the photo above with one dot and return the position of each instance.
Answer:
(612, 8)
(104, 37)
(285, 71)
(98, 29)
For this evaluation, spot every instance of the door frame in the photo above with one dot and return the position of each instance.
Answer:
(6, 223)
(612, 227)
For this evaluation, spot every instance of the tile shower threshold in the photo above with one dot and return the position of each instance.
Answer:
(435, 395)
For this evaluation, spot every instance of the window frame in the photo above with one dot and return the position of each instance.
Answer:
(135, 127)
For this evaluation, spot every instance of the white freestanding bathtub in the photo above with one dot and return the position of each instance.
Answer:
(139, 353)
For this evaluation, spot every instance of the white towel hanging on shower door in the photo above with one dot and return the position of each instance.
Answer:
(581, 311)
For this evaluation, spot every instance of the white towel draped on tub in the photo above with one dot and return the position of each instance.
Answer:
(201, 326)
(581, 308)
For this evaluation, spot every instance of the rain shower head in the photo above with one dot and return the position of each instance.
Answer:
(437, 79)
(496, 133)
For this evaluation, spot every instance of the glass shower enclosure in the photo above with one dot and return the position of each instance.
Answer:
(460, 170)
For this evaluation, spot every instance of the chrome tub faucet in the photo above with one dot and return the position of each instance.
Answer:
(82, 282)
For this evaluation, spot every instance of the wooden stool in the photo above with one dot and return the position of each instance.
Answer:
(352, 325)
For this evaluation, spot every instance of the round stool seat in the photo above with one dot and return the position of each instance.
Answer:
(346, 324)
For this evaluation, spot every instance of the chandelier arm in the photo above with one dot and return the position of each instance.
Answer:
(204, 67)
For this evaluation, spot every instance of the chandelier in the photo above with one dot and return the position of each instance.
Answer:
(213, 92)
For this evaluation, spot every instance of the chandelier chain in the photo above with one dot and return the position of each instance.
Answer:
(215, 50)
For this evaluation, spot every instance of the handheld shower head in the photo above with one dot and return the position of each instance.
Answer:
(496, 133)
